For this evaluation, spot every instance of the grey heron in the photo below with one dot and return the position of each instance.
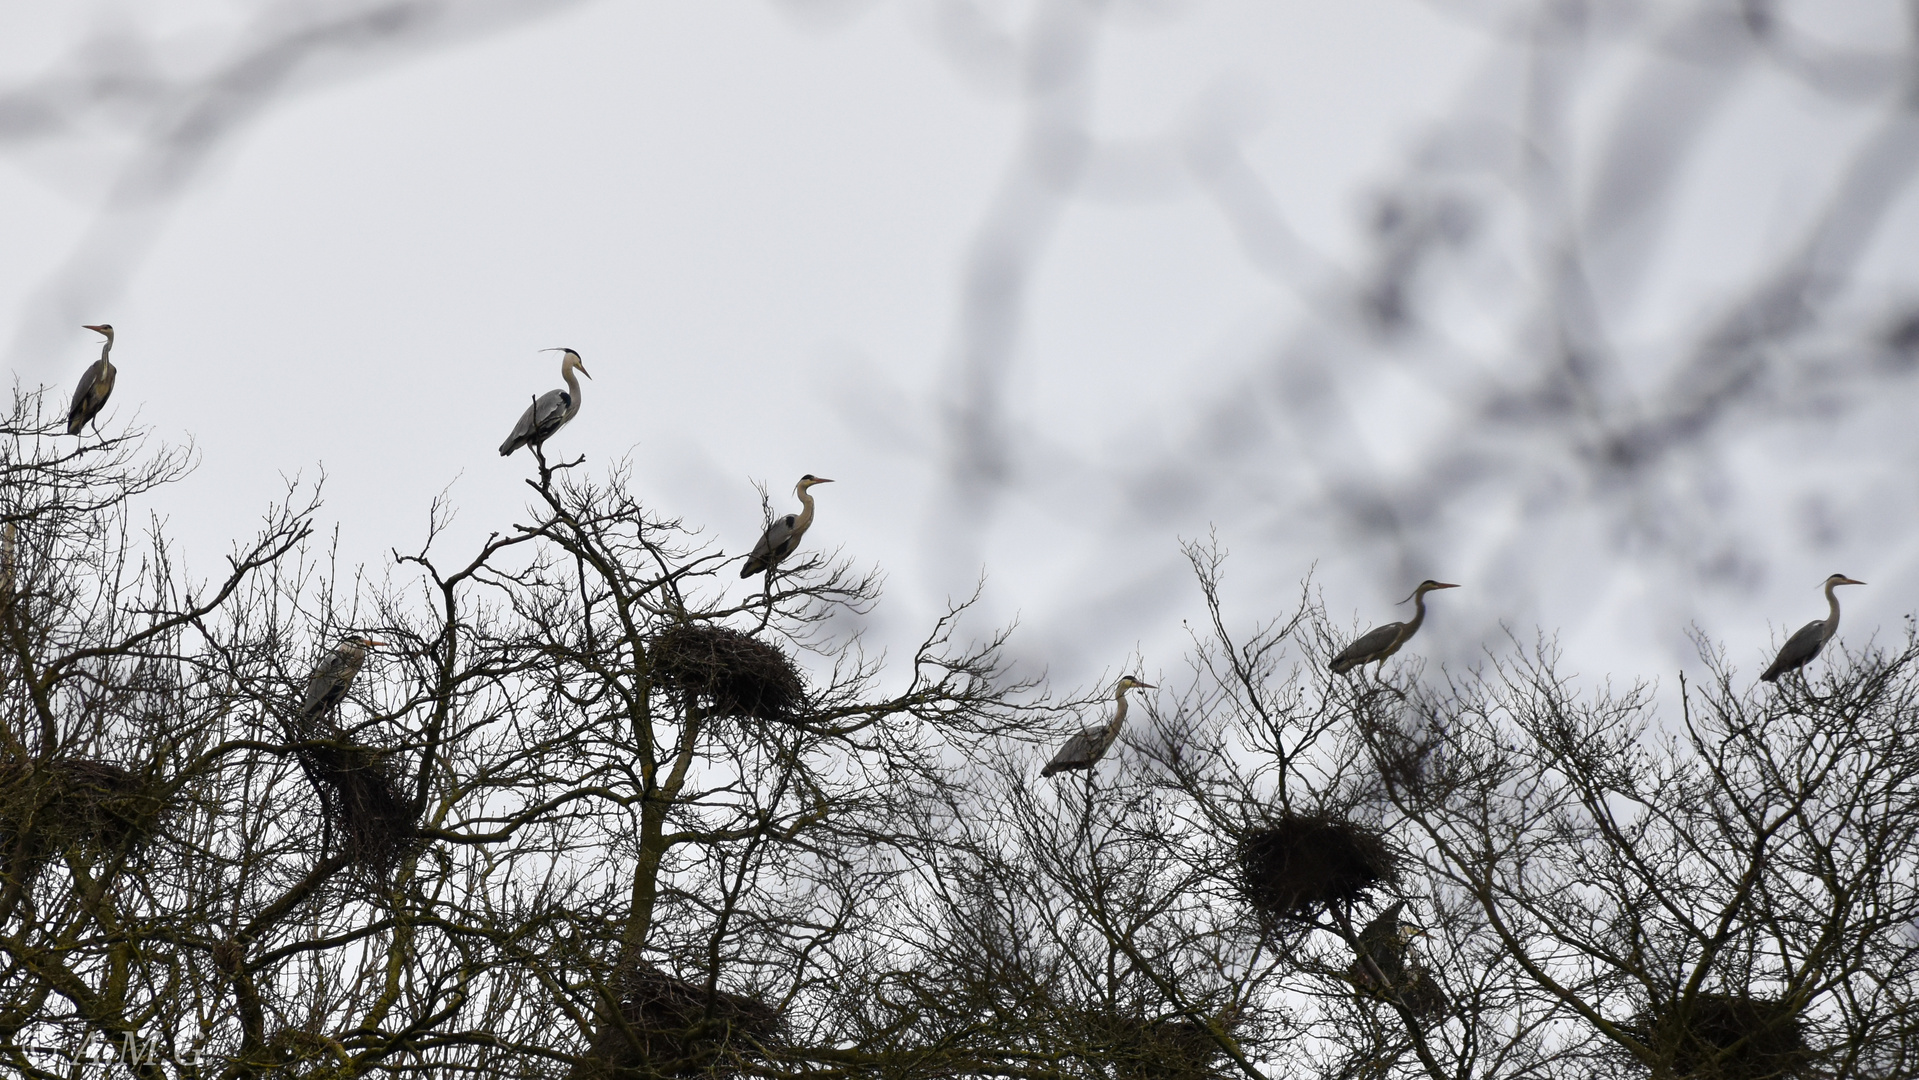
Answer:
(1801, 647)
(551, 410)
(328, 684)
(96, 383)
(1384, 942)
(1383, 968)
(1382, 642)
(1083, 750)
(783, 535)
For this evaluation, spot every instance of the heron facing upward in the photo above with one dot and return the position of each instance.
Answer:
(1800, 648)
(1382, 642)
(96, 383)
(551, 410)
(783, 536)
(1084, 750)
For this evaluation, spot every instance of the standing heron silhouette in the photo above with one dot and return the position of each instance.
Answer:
(1382, 642)
(550, 411)
(1084, 750)
(96, 384)
(1805, 644)
(781, 538)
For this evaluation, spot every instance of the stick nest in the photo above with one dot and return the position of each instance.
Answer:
(361, 797)
(1135, 1048)
(53, 805)
(670, 1027)
(735, 673)
(1302, 863)
(1730, 1037)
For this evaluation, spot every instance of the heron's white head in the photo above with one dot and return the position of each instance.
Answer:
(570, 360)
(809, 480)
(1408, 931)
(1127, 682)
(101, 328)
(1427, 586)
(1840, 579)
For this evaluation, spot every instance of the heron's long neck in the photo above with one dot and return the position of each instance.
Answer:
(106, 348)
(806, 508)
(1419, 611)
(1832, 618)
(572, 390)
(1119, 714)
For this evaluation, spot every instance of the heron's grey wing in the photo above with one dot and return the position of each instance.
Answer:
(552, 414)
(328, 683)
(775, 543)
(90, 395)
(1384, 927)
(1365, 646)
(522, 431)
(1079, 752)
(1798, 650)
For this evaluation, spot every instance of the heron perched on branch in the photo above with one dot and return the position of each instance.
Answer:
(1086, 748)
(1384, 942)
(1382, 642)
(551, 410)
(328, 684)
(783, 535)
(1801, 647)
(96, 383)
(1382, 965)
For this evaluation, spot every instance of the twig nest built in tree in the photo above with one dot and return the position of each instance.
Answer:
(51, 805)
(1730, 1037)
(736, 674)
(361, 797)
(671, 1027)
(1301, 863)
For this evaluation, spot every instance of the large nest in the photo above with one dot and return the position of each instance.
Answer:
(53, 805)
(361, 797)
(1729, 1037)
(736, 674)
(670, 1027)
(1300, 864)
(1139, 1049)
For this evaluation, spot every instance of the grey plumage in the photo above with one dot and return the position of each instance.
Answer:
(96, 385)
(550, 411)
(1384, 941)
(1805, 644)
(1383, 967)
(1381, 642)
(1083, 751)
(782, 537)
(329, 683)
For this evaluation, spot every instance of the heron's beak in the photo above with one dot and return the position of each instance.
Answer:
(1444, 585)
(583, 370)
(1852, 581)
(821, 480)
(1145, 686)
(370, 642)
(101, 329)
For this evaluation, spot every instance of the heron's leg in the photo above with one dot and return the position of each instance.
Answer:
(1086, 806)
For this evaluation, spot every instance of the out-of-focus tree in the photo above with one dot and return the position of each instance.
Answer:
(1541, 365)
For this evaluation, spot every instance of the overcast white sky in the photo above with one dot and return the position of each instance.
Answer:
(754, 221)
